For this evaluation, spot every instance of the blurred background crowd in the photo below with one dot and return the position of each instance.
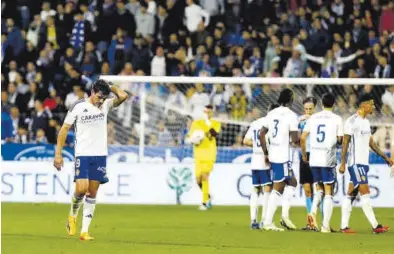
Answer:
(52, 51)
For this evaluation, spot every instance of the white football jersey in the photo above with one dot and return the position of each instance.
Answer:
(90, 126)
(324, 128)
(280, 122)
(360, 131)
(253, 133)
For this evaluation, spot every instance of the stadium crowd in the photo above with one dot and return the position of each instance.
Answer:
(52, 51)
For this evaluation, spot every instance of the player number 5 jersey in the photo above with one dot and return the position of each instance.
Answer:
(360, 131)
(253, 133)
(324, 128)
(90, 126)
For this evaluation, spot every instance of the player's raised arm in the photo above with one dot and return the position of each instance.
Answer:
(377, 150)
(61, 139)
(120, 94)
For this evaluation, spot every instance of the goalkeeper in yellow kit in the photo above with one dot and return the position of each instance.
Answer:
(202, 135)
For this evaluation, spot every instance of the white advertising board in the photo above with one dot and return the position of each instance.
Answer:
(161, 184)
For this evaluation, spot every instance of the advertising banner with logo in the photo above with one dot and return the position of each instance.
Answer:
(161, 184)
(129, 154)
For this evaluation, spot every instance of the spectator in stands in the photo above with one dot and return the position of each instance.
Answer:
(80, 32)
(295, 66)
(7, 128)
(145, 21)
(21, 136)
(198, 100)
(33, 33)
(165, 137)
(40, 137)
(40, 118)
(124, 19)
(14, 38)
(238, 103)
(176, 99)
(77, 94)
(158, 64)
(140, 55)
(16, 98)
(89, 59)
(133, 6)
(88, 15)
(383, 69)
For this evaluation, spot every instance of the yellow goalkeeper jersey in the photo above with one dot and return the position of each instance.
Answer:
(206, 150)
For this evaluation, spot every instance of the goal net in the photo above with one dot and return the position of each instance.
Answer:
(154, 122)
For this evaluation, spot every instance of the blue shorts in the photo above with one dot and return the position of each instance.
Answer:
(324, 174)
(92, 168)
(358, 174)
(282, 171)
(261, 177)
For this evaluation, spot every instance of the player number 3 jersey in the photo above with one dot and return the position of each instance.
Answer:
(324, 128)
(90, 126)
(360, 131)
(280, 122)
(253, 133)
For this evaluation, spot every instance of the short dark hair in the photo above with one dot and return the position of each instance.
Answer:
(273, 106)
(328, 100)
(285, 96)
(102, 86)
(364, 98)
(310, 99)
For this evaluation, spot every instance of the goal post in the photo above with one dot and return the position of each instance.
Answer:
(150, 120)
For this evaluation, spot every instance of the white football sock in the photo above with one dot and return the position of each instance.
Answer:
(346, 211)
(368, 210)
(328, 208)
(266, 198)
(76, 203)
(272, 205)
(88, 211)
(316, 201)
(288, 195)
(254, 198)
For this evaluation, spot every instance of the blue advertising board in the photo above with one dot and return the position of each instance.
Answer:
(35, 152)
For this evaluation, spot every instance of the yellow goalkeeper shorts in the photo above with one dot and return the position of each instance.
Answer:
(203, 167)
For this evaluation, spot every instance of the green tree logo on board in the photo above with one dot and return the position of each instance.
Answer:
(180, 180)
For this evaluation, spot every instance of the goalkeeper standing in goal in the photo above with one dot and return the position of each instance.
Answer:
(89, 117)
(202, 135)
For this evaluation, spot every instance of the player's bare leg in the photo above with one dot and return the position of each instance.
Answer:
(328, 207)
(368, 210)
(254, 199)
(266, 195)
(88, 210)
(288, 195)
(347, 208)
(317, 199)
(81, 187)
(308, 191)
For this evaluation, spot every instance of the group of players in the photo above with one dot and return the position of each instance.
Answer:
(275, 137)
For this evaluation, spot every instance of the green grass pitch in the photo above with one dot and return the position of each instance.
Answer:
(40, 228)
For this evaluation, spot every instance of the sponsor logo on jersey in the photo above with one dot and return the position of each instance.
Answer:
(180, 180)
(92, 118)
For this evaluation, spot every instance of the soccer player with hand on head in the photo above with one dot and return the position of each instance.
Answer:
(89, 117)
(202, 135)
(325, 132)
(356, 143)
(306, 177)
(281, 126)
(261, 173)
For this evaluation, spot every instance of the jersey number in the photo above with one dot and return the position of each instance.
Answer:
(276, 122)
(321, 134)
(257, 137)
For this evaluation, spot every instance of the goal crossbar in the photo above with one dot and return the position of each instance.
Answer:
(248, 80)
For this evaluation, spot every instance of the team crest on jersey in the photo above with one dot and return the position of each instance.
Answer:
(77, 172)
(363, 178)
